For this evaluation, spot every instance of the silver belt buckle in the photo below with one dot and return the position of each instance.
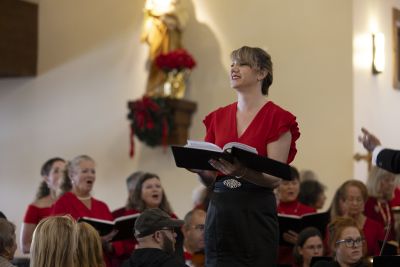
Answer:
(232, 183)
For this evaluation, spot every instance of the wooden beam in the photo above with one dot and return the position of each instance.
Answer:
(18, 38)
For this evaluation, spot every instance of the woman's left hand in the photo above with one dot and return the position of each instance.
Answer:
(233, 169)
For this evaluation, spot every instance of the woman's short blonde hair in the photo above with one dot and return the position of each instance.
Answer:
(54, 242)
(258, 59)
(89, 248)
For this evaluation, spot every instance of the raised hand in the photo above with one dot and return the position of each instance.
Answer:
(368, 140)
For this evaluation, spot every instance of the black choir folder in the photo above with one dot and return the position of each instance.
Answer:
(125, 226)
(196, 154)
(297, 223)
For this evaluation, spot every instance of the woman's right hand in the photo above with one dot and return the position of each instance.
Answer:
(106, 241)
(108, 237)
(368, 140)
(290, 237)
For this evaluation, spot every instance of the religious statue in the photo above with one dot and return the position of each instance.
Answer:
(162, 30)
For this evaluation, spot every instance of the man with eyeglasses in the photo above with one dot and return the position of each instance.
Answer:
(155, 233)
(193, 232)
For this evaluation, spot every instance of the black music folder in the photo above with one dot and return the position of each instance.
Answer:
(125, 226)
(198, 157)
(295, 223)
(386, 261)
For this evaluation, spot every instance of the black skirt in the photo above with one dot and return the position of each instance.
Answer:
(241, 227)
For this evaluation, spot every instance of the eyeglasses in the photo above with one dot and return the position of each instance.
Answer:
(350, 243)
(312, 247)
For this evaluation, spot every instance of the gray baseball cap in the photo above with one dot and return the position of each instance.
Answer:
(152, 220)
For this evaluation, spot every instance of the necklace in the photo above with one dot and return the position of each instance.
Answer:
(84, 198)
(385, 213)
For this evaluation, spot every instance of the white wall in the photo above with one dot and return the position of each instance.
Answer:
(376, 102)
(91, 63)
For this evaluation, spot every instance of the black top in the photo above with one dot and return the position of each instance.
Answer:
(152, 257)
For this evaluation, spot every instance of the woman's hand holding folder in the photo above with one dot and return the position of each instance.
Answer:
(106, 240)
(290, 237)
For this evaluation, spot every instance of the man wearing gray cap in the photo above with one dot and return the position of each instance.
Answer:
(154, 231)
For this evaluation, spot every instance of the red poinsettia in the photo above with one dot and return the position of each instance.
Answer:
(178, 59)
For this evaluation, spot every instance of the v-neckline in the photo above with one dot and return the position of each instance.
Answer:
(83, 204)
(251, 122)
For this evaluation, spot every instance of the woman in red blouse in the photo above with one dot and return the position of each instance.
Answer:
(381, 185)
(354, 195)
(241, 226)
(77, 200)
(288, 192)
(52, 170)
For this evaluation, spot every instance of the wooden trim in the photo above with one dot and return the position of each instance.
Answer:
(18, 38)
(396, 43)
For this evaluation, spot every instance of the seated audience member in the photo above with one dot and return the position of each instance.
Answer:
(309, 244)
(148, 193)
(353, 194)
(51, 172)
(54, 242)
(155, 233)
(347, 244)
(289, 204)
(193, 232)
(89, 252)
(77, 200)
(380, 184)
(387, 159)
(8, 244)
(131, 182)
(312, 194)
